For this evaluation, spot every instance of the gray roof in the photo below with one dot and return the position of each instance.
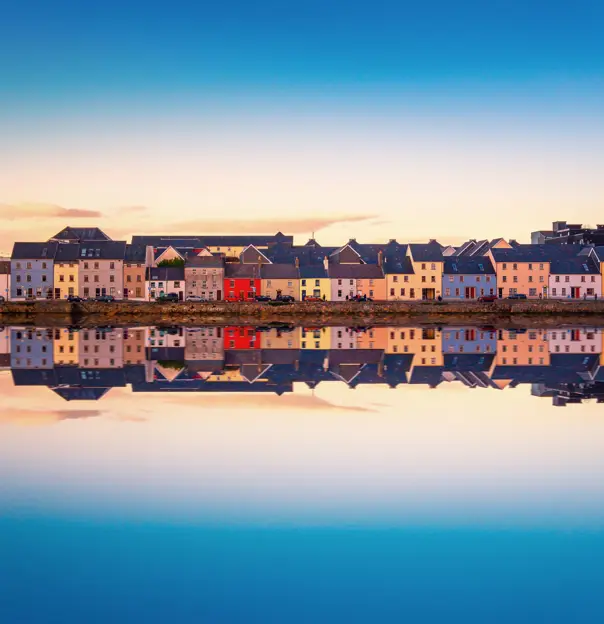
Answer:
(195, 241)
(67, 252)
(135, 253)
(535, 253)
(34, 251)
(81, 234)
(427, 252)
(464, 265)
(312, 271)
(575, 266)
(355, 271)
(104, 250)
(399, 265)
(279, 271)
(165, 274)
(236, 270)
(204, 261)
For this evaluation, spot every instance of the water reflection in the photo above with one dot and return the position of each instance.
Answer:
(84, 364)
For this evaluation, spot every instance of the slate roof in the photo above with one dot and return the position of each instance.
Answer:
(306, 254)
(355, 271)
(535, 253)
(463, 265)
(67, 253)
(399, 265)
(313, 271)
(34, 251)
(237, 270)
(466, 362)
(204, 262)
(165, 274)
(104, 250)
(81, 234)
(579, 265)
(244, 240)
(135, 254)
(279, 271)
(427, 252)
(369, 253)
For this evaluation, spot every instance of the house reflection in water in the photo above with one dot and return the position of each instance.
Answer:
(565, 364)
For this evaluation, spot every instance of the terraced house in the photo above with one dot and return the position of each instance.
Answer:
(427, 261)
(468, 278)
(204, 277)
(135, 262)
(101, 268)
(66, 270)
(32, 270)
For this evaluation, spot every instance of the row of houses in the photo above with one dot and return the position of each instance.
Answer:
(566, 364)
(87, 263)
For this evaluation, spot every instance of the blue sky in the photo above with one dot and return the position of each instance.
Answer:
(54, 49)
(381, 108)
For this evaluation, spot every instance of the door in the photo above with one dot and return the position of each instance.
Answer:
(500, 291)
(470, 292)
(57, 293)
(576, 292)
(126, 293)
(219, 295)
(180, 295)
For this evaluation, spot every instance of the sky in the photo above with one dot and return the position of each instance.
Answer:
(350, 120)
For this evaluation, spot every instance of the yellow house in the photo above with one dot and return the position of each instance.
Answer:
(427, 261)
(66, 350)
(314, 282)
(400, 280)
(66, 267)
(315, 337)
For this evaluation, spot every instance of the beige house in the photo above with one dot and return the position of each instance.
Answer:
(204, 277)
(280, 280)
(66, 270)
(101, 269)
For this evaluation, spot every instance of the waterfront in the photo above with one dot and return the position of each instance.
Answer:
(256, 474)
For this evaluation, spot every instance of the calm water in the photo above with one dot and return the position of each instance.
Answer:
(324, 474)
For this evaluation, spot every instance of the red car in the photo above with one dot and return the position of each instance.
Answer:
(313, 299)
(487, 298)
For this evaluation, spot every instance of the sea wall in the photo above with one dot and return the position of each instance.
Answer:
(302, 312)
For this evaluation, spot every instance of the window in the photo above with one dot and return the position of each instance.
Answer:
(96, 265)
(392, 292)
(61, 278)
(423, 266)
(457, 292)
(317, 283)
(554, 292)
(504, 266)
(112, 278)
(582, 278)
(514, 267)
(303, 282)
(541, 278)
(567, 278)
(504, 278)
(433, 266)
(433, 278)
(515, 279)
(451, 278)
(532, 292)
(530, 279)
(112, 265)
(530, 267)
(423, 278)
(461, 279)
(395, 278)
(447, 292)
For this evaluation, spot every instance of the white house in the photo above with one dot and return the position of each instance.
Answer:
(575, 278)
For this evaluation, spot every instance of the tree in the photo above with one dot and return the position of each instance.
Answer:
(175, 262)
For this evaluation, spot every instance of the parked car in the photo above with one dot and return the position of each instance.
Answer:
(487, 298)
(196, 299)
(262, 298)
(2, 299)
(285, 298)
(105, 299)
(168, 298)
(74, 299)
(360, 298)
(313, 299)
(517, 296)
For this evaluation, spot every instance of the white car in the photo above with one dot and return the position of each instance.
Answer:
(196, 299)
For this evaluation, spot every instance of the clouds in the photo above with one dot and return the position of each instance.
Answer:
(18, 212)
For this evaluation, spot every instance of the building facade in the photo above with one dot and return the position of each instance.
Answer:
(468, 278)
(280, 280)
(32, 270)
(135, 264)
(164, 280)
(314, 282)
(66, 270)
(101, 269)
(5, 278)
(242, 282)
(204, 277)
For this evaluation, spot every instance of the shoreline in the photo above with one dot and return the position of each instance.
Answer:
(501, 313)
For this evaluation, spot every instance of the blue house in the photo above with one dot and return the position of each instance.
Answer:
(32, 348)
(32, 270)
(468, 278)
(469, 340)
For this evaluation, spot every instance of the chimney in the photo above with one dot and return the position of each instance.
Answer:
(297, 262)
(380, 257)
(326, 263)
